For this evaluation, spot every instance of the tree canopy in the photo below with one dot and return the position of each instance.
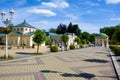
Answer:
(39, 38)
(61, 29)
(113, 32)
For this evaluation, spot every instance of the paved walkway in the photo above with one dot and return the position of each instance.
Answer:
(80, 64)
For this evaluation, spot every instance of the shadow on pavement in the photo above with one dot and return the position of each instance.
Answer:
(84, 75)
(24, 53)
(96, 60)
(88, 76)
(101, 53)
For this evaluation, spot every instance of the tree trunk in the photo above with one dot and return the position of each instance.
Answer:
(38, 48)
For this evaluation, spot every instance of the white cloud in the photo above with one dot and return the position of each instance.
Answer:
(49, 4)
(115, 19)
(93, 4)
(64, 5)
(56, 4)
(112, 1)
(42, 12)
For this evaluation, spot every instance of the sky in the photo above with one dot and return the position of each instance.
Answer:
(90, 15)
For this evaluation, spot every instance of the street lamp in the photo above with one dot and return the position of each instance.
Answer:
(6, 22)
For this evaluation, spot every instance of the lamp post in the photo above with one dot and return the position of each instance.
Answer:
(6, 22)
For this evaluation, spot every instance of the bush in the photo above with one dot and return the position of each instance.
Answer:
(118, 60)
(9, 57)
(116, 50)
(48, 42)
(9, 47)
(72, 46)
(81, 45)
(54, 48)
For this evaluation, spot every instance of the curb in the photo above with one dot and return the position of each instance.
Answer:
(115, 64)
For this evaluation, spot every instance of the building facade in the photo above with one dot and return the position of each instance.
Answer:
(102, 40)
(21, 35)
(56, 38)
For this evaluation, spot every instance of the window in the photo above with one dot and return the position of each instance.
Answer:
(14, 29)
(17, 29)
(21, 29)
(30, 30)
(26, 29)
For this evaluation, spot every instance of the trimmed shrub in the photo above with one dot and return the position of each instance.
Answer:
(116, 50)
(54, 48)
(72, 46)
(81, 45)
(48, 42)
(118, 60)
(9, 57)
(9, 47)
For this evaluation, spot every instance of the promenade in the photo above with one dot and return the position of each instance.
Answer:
(92, 63)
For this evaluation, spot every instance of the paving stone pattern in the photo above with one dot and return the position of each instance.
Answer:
(80, 64)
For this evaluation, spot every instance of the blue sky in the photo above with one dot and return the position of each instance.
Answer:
(90, 15)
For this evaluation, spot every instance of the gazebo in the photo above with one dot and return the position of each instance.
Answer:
(101, 39)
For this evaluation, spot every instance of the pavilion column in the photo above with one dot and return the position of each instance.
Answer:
(107, 43)
(103, 44)
(96, 41)
(99, 42)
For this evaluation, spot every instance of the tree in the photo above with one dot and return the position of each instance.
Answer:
(52, 30)
(85, 35)
(116, 37)
(70, 28)
(39, 38)
(92, 38)
(61, 29)
(109, 30)
(77, 40)
(65, 39)
(74, 29)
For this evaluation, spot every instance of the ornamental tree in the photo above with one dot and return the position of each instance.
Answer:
(65, 39)
(39, 38)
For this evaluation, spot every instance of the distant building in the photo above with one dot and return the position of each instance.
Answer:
(102, 40)
(56, 38)
(21, 35)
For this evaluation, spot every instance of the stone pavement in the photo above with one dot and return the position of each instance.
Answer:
(80, 64)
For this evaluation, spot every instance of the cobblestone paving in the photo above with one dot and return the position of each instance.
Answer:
(80, 64)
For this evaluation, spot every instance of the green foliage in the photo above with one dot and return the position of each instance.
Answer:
(72, 46)
(81, 45)
(9, 47)
(52, 30)
(109, 31)
(48, 42)
(74, 29)
(54, 48)
(65, 39)
(113, 33)
(116, 37)
(92, 38)
(85, 35)
(4, 57)
(61, 29)
(70, 28)
(77, 40)
(116, 50)
(39, 38)
(118, 60)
